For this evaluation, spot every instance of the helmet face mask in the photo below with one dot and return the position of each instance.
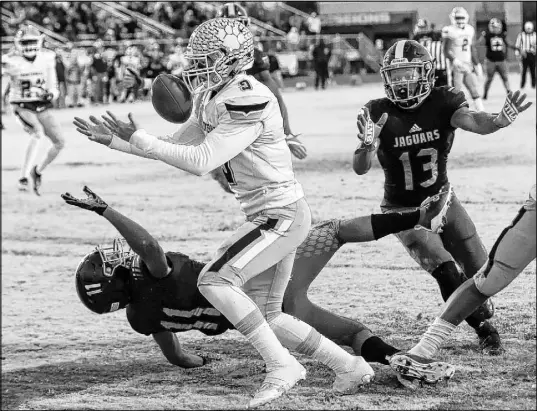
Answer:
(28, 41)
(407, 80)
(103, 276)
(217, 50)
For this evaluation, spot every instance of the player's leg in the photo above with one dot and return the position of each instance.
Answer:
(531, 64)
(53, 131)
(501, 67)
(313, 254)
(514, 249)
(464, 244)
(31, 124)
(490, 68)
(525, 67)
(260, 243)
(471, 83)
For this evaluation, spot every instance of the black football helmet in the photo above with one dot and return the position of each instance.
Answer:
(408, 73)
(234, 11)
(103, 277)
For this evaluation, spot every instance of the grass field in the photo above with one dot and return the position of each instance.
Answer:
(58, 355)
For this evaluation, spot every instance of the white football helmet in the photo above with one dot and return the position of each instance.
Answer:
(217, 50)
(459, 17)
(28, 41)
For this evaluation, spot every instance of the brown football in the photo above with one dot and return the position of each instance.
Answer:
(171, 98)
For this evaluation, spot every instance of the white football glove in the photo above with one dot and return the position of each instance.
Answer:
(41, 93)
(368, 131)
(511, 108)
(479, 70)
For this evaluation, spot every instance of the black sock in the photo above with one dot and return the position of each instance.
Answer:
(390, 223)
(449, 278)
(375, 349)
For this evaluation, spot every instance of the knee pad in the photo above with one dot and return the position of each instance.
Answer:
(212, 278)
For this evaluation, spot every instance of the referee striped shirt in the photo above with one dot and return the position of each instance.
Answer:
(526, 42)
(432, 41)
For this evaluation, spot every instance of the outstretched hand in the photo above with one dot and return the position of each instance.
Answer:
(96, 132)
(92, 202)
(511, 108)
(120, 128)
(369, 131)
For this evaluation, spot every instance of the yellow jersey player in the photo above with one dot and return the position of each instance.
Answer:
(30, 73)
(460, 50)
(247, 278)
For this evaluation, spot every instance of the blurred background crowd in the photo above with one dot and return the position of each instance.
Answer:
(95, 42)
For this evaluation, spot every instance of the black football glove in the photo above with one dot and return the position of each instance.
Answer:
(93, 202)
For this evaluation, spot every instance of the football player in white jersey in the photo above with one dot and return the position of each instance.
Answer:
(30, 73)
(247, 278)
(459, 48)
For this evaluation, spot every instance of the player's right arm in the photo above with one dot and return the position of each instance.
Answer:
(368, 140)
(6, 76)
(171, 348)
(141, 242)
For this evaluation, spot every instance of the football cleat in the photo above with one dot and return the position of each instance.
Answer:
(36, 180)
(23, 184)
(350, 382)
(277, 383)
(489, 339)
(413, 367)
(434, 209)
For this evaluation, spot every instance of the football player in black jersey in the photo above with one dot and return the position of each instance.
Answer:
(159, 290)
(412, 131)
(495, 59)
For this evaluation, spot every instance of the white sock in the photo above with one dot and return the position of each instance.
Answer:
(433, 338)
(244, 314)
(298, 336)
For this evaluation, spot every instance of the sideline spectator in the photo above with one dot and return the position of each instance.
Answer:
(321, 56)
(98, 70)
(60, 74)
(526, 44)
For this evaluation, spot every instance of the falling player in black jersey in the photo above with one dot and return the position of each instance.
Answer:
(159, 290)
(412, 130)
(495, 60)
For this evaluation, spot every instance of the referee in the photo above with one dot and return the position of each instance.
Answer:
(432, 41)
(526, 45)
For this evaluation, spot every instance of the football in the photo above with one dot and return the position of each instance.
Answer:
(171, 98)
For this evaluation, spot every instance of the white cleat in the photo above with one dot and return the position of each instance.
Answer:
(415, 367)
(277, 383)
(434, 210)
(350, 382)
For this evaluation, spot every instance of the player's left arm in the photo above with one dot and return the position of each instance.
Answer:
(171, 348)
(480, 122)
(239, 126)
(138, 238)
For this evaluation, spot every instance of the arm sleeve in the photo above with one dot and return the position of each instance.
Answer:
(6, 76)
(221, 145)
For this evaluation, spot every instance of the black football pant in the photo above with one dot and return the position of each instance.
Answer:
(321, 74)
(528, 63)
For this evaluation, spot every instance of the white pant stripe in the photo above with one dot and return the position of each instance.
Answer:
(268, 238)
